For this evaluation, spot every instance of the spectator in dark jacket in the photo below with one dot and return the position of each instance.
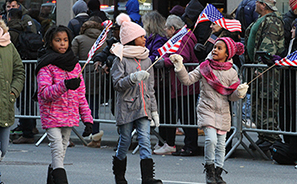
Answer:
(192, 11)
(26, 19)
(80, 11)
(94, 10)
(288, 18)
(246, 14)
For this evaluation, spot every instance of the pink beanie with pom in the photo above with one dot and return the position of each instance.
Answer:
(232, 46)
(129, 31)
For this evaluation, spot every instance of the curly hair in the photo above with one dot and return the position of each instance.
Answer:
(52, 31)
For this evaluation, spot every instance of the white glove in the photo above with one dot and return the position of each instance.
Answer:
(139, 76)
(242, 89)
(156, 120)
(177, 61)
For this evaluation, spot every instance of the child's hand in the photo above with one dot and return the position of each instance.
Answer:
(139, 76)
(156, 120)
(242, 89)
(177, 61)
(73, 83)
(88, 129)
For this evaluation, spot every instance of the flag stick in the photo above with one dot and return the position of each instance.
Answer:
(82, 69)
(261, 74)
(154, 63)
(208, 38)
(179, 52)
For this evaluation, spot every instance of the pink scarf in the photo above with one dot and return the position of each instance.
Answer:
(206, 70)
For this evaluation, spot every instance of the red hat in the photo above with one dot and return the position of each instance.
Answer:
(232, 46)
(293, 4)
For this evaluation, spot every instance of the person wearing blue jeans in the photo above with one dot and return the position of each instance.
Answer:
(136, 102)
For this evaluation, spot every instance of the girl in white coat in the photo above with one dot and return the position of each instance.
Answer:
(219, 84)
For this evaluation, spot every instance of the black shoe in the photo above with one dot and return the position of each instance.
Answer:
(259, 141)
(178, 152)
(265, 145)
(189, 153)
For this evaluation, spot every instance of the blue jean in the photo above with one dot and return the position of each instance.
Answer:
(214, 150)
(4, 140)
(142, 126)
(246, 107)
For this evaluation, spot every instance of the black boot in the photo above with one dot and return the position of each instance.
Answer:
(59, 176)
(210, 174)
(147, 172)
(119, 169)
(0, 175)
(219, 178)
(49, 179)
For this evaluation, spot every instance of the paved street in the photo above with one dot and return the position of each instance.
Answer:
(27, 164)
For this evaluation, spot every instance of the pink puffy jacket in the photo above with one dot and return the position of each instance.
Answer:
(58, 106)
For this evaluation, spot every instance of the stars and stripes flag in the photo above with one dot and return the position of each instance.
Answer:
(212, 38)
(100, 40)
(173, 44)
(210, 13)
(290, 60)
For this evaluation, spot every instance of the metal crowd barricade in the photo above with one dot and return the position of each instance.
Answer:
(178, 112)
(272, 104)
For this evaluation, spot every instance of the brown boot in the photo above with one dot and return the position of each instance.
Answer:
(94, 144)
(96, 140)
(23, 140)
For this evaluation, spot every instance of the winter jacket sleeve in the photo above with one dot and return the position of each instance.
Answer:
(189, 78)
(84, 109)
(47, 89)
(152, 91)
(234, 96)
(121, 80)
(154, 51)
(18, 78)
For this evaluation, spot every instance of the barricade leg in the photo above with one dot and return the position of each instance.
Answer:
(255, 145)
(41, 139)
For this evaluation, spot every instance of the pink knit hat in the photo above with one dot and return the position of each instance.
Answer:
(293, 4)
(232, 46)
(129, 31)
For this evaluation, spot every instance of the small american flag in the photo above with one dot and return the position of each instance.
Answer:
(100, 40)
(290, 60)
(173, 44)
(212, 38)
(210, 13)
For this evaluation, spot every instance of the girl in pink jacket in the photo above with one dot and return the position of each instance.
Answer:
(61, 97)
(219, 84)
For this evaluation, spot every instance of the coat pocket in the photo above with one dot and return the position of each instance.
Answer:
(132, 103)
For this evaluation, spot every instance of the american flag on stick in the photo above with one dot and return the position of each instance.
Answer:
(212, 38)
(98, 43)
(290, 60)
(210, 13)
(100, 40)
(173, 44)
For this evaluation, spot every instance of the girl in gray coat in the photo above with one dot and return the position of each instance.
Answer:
(136, 103)
(219, 84)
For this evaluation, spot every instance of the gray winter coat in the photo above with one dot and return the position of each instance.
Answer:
(213, 108)
(134, 101)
